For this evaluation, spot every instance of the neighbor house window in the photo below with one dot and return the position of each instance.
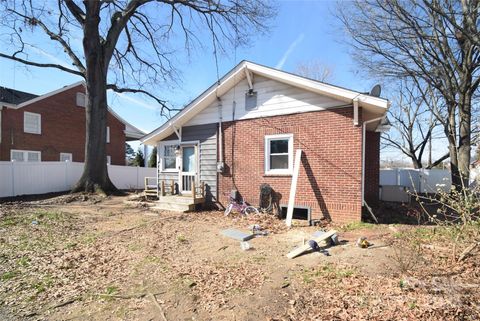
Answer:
(25, 156)
(279, 154)
(81, 100)
(66, 157)
(167, 156)
(108, 134)
(32, 123)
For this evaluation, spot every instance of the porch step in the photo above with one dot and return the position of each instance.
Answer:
(174, 207)
(179, 199)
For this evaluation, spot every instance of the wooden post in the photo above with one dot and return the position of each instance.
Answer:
(193, 189)
(203, 189)
(293, 187)
(172, 190)
(162, 192)
(146, 184)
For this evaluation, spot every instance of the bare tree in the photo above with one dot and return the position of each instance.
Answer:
(413, 126)
(126, 46)
(314, 69)
(414, 39)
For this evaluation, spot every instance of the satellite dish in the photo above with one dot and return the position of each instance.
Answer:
(376, 91)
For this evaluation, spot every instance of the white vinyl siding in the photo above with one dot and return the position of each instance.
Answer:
(273, 98)
(25, 155)
(167, 156)
(32, 123)
(66, 157)
(108, 134)
(279, 154)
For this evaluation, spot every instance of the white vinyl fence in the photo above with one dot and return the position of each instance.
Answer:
(396, 183)
(24, 178)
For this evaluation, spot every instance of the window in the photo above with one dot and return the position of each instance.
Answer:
(250, 100)
(279, 154)
(108, 134)
(168, 158)
(66, 157)
(81, 100)
(32, 123)
(109, 160)
(25, 156)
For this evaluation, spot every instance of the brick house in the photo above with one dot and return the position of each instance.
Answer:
(51, 127)
(243, 131)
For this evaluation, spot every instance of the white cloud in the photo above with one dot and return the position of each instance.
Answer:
(136, 101)
(290, 49)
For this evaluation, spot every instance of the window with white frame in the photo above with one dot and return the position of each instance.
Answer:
(109, 159)
(32, 123)
(108, 134)
(168, 158)
(279, 154)
(25, 155)
(66, 157)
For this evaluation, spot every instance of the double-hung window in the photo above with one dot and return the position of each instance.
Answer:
(279, 154)
(25, 155)
(32, 123)
(168, 158)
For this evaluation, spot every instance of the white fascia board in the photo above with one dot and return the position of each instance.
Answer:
(318, 87)
(52, 93)
(375, 104)
(201, 102)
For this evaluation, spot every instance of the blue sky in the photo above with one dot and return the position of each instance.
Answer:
(302, 31)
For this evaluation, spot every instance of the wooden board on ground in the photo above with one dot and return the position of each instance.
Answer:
(299, 250)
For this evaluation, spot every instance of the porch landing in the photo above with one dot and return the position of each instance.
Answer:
(177, 203)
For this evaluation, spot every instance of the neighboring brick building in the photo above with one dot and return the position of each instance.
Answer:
(51, 127)
(244, 132)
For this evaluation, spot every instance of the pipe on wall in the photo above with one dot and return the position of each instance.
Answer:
(364, 136)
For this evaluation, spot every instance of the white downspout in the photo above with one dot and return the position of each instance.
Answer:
(364, 135)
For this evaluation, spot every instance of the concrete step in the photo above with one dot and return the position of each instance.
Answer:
(186, 200)
(174, 207)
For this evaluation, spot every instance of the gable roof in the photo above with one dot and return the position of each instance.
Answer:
(13, 96)
(25, 99)
(374, 105)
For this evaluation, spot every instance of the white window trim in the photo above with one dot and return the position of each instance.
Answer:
(289, 170)
(26, 152)
(108, 134)
(70, 155)
(39, 123)
(160, 155)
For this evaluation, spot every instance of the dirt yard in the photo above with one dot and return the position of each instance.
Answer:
(77, 257)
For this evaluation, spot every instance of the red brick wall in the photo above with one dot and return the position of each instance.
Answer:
(330, 175)
(63, 130)
(372, 167)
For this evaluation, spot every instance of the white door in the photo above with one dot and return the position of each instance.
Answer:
(188, 171)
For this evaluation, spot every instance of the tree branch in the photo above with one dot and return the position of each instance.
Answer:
(37, 64)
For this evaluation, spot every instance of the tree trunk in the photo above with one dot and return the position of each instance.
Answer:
(464, 144)
(95, 174)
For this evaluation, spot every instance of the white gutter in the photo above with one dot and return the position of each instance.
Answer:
(220, 131)
(364, 135)
(1, 109)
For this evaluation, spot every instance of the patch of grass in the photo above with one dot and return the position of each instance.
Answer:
(90, 238)
(9, 275)
(182, 238)
(356, 226)
(24, 261)
(134, 247)
(43, 285)
(71, 245)
(8, 221)
(111, 289)
(327, 271)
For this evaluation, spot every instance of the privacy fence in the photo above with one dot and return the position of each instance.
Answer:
(25, 178)
(397, 183)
